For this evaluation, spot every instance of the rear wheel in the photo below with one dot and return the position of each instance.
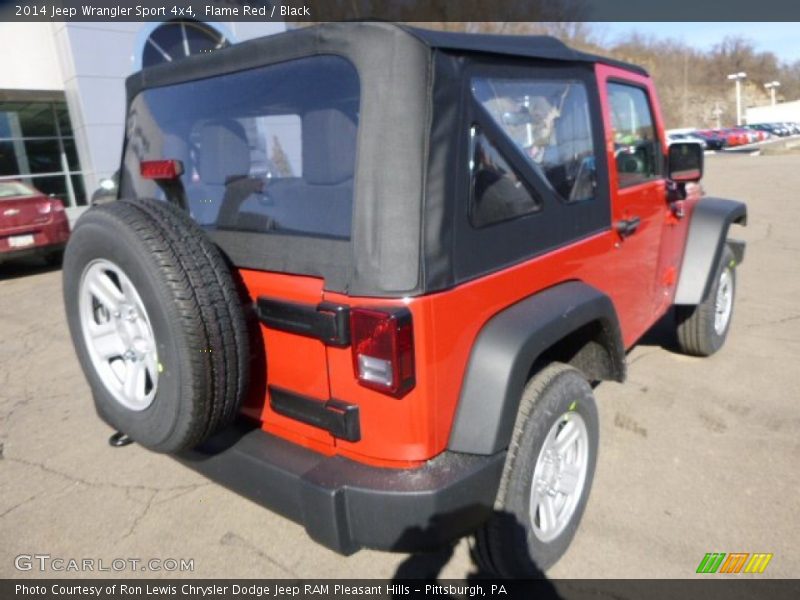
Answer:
(156, 323)
(703, 329)
(547, 476)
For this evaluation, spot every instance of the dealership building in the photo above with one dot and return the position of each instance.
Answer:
(783, 111)
(62, 93)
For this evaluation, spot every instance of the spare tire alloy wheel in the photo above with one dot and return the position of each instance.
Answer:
(157, 323)
(118, 334)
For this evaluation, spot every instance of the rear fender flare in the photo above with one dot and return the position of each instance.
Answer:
(506, 349)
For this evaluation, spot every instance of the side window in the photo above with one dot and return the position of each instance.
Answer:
(636, 148)
(497, 193)
(549, 122)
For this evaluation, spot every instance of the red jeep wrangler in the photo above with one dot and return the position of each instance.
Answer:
(367, 275)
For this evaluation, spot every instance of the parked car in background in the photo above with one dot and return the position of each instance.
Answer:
(748, 135)
(31, 224)
(762, 134)
(735, 138)
(781, 129)
(714, 140)
(778, 129)
(687, 137)
(794, 128)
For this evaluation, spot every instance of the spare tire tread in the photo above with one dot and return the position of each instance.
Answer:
(226, 329)
(117, 216)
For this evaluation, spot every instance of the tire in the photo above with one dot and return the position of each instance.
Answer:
(702, 329)
(151, 303)
(516, 541)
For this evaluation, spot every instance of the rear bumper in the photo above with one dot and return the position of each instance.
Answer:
(346, 505)
(7, 255)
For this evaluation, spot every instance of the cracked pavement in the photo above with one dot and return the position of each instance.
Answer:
(696, 455)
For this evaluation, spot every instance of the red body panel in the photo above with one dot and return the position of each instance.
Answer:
(638, 273)
(293, 362)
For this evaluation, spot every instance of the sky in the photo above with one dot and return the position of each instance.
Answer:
(781, 38)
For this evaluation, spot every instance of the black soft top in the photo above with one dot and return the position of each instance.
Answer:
(523, 46)
(526, 46)
(410, 149)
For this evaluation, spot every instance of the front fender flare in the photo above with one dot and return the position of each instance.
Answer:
(708, 232)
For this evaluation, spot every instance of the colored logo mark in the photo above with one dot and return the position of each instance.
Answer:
(735, 562)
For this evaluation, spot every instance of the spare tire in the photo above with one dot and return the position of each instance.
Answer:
(157, 323)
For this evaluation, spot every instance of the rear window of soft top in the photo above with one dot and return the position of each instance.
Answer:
(270, 149)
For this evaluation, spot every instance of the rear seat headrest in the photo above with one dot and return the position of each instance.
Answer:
(224, 152)
(329, 146)
(174, 147)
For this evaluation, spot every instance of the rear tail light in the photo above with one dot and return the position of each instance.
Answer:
(383, 349)
(48, 206)
(161, 169)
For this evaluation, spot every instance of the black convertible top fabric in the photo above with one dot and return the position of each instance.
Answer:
(407, 156)
(527, 46)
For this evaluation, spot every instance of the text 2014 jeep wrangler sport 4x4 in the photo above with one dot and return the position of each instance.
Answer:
(367, 276)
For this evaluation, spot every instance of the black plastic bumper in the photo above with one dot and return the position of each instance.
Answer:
(9, 255)
(346, 505)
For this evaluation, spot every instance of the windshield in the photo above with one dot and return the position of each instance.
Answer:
(15, 189)
(268, 150)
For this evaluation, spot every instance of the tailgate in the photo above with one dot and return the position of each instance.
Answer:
(283, 361)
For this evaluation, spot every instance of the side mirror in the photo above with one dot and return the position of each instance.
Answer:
(685, 162)
(107, 192)
(108, 184)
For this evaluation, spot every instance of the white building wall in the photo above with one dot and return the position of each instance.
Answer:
(785, 111)
(29, 57)
(95, 60)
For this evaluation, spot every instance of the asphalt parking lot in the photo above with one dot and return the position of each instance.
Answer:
(696, 455)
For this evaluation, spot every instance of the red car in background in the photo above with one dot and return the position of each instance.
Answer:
(760, 134)
(734, 138)
(749, 135)
(31, 224)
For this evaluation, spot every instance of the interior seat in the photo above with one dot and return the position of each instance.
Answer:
(223, 163)
(319, 202)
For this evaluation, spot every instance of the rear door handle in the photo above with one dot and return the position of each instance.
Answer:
(626, 227)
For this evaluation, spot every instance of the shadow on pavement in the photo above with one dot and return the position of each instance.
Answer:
(23, 267)
(662, 334)
(425, 567)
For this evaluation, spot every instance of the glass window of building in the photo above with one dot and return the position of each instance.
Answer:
(37, 147)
